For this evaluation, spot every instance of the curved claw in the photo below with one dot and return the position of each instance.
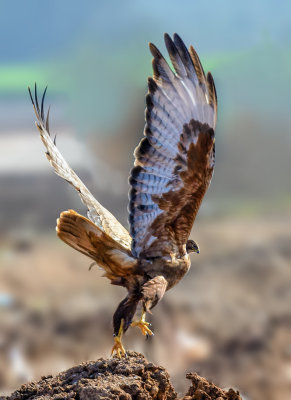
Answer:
(118, 348)
(143, 326)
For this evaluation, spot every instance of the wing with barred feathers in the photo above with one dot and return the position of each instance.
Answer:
(96, 212)
(174, 162)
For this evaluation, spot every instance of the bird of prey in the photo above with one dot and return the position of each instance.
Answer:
(172, 170)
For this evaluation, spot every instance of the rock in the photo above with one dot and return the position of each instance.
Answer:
(129, 378)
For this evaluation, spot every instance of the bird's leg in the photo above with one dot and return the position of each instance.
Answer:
(121, 321)
(117, 347)
(151, 293)
(143, 324)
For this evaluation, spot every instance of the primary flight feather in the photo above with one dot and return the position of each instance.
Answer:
(173, 168)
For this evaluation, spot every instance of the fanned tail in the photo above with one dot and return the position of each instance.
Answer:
(83, 235)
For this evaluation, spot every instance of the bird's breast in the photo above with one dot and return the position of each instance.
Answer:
(171, 268)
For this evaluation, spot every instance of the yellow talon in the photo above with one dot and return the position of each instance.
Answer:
(118, 347)
(143, 325)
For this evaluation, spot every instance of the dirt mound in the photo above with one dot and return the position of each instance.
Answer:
(129, 378)
(201, 389)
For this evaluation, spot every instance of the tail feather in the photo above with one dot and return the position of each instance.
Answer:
(83, 235)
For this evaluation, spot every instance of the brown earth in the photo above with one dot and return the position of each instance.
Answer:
(130, 378)
(229, 319)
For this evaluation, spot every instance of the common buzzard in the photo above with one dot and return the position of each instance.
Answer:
(172, 170)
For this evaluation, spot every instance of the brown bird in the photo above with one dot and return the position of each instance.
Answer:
(172, 170)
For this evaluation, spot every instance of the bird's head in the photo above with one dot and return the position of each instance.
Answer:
(192, 247)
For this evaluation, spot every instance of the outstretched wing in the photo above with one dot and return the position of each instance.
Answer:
(96, 212)
(174, 162)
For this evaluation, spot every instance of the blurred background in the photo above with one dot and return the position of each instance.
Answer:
(230, 319)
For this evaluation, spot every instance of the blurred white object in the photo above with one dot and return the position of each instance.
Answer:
(194, 347)
(6, 299)
(20, 369)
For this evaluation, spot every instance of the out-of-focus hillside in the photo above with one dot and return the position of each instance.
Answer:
(228, 319)
(248, 79)
(253, 140)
